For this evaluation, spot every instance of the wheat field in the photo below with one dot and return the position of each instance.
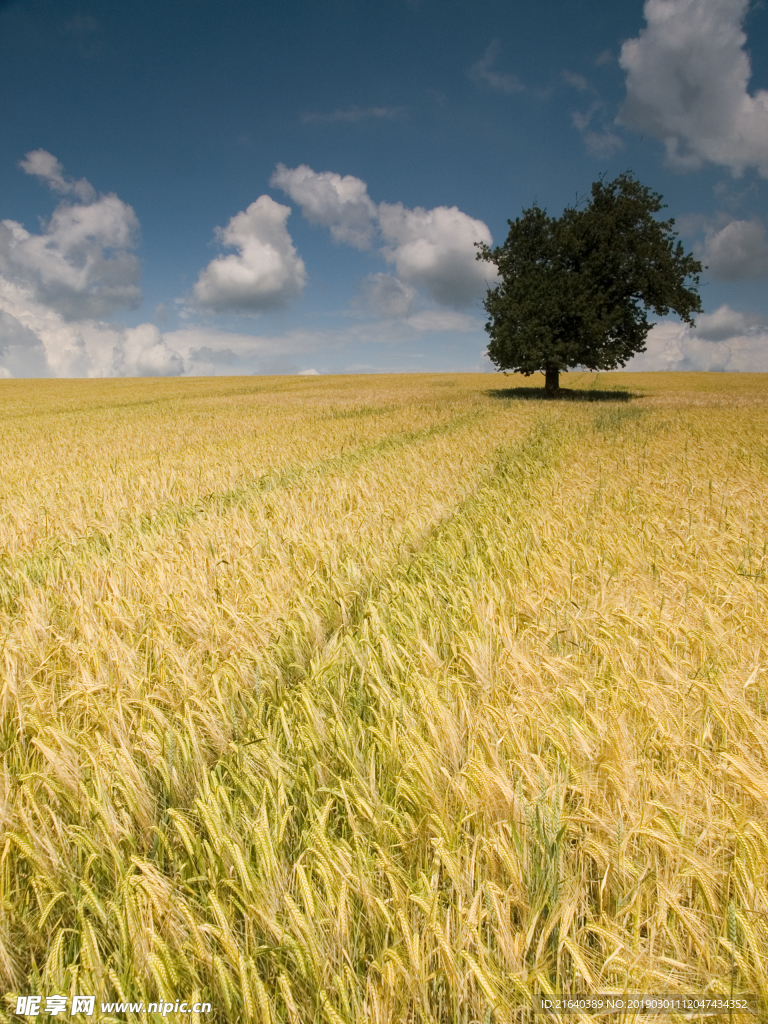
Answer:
(388, 699)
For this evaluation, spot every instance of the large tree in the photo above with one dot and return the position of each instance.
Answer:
(575, 290)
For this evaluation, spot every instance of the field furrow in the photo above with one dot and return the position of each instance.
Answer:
(48, 564)
(104, 473)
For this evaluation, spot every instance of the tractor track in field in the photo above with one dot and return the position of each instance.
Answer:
(46, 566)
(535, 449)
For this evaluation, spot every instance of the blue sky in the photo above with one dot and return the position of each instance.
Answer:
(217, 186)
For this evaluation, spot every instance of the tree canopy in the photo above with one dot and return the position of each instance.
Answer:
(575, 290)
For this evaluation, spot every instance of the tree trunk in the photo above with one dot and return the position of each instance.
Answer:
(551, 381)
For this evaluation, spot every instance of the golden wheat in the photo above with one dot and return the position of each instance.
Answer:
(387, 699)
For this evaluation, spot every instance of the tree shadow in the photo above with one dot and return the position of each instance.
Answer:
(564, 395)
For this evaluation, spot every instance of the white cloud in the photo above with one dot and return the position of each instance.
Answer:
(577, 81)
(737, 252)
(80, 264)
(436, 249)
(387, 295)
(46, 167)
(54, 285)
(145, 353)
(726, 323)
(36, 341)
(266, 273)
(725, 340)
(483, 71)
(433, 249)
(582, 118)
(47, 335)
(309, 373)
(340, 204)
(687, 84)
(22, 354)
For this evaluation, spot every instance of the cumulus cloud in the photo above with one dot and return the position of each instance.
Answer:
(737, 252)
(54, 285)
(36, 341)
(577, 81)
(265, 273)
(726, 340)
(433, 249)
(727, 323)
(46, 167)
(483, 71)
(387, 295)
(341, 204)
(80, 265)
(436, 249)
(21, 352)
(145, 353)
(687, 77)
